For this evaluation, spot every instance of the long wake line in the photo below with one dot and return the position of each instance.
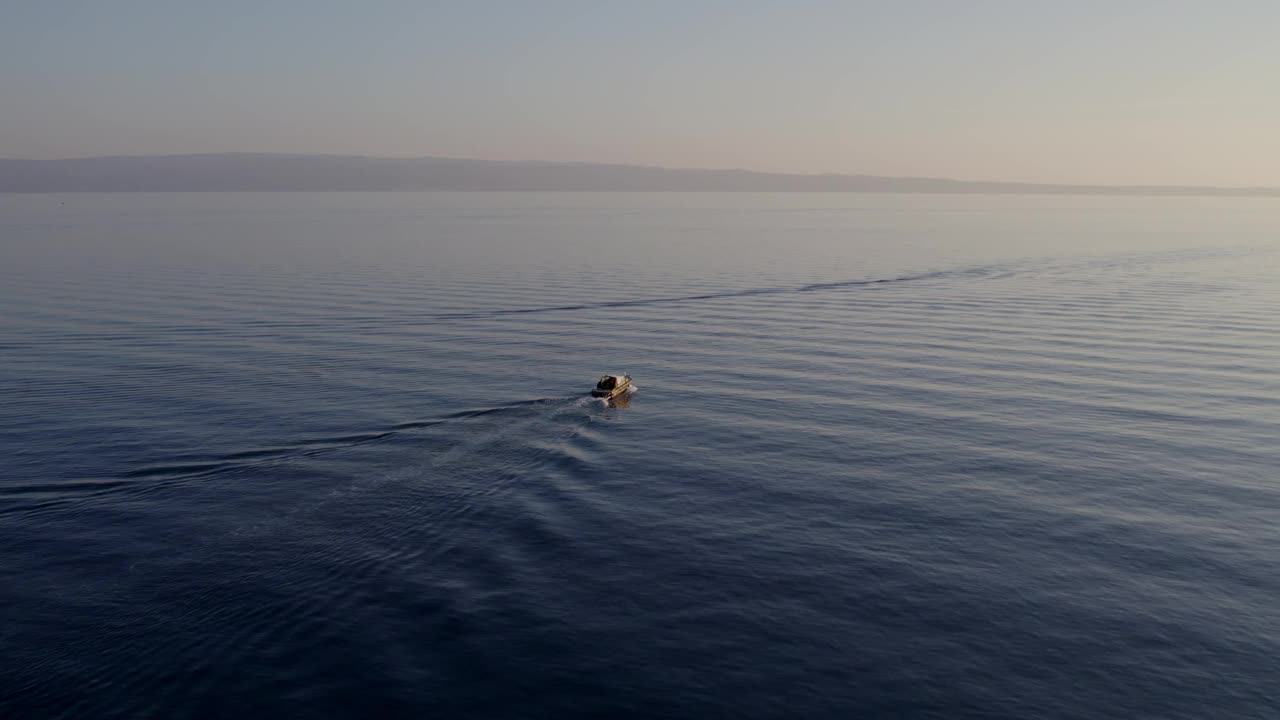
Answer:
(183, 469)
(972, 272)
(983, 271)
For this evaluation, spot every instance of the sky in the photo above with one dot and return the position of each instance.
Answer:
(1124, 91)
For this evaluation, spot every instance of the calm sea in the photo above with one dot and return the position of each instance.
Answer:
(331, 456)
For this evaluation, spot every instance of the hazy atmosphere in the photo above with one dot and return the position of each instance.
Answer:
(1130, 92)
(646, 360)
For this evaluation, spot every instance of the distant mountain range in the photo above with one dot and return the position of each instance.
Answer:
(269, 172)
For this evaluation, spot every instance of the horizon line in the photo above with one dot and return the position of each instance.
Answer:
(746, 171)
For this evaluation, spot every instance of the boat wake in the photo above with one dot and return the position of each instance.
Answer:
(980, 272)
(969, 272)
(487, 422)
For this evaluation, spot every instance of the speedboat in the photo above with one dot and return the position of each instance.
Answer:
(611, 386)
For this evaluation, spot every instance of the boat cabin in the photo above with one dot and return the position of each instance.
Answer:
(611, 385)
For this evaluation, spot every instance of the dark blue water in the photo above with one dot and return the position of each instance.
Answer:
(930, 457)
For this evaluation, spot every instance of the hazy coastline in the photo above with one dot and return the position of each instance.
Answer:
(266, 172)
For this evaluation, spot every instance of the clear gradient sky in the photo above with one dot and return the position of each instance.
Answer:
(1125, 91)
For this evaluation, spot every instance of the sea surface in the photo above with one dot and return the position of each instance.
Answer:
(332, 456)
